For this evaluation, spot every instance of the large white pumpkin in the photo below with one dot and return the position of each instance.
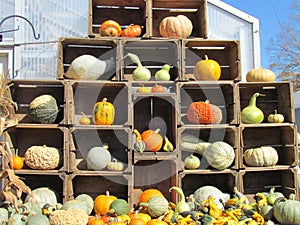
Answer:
(98, 158)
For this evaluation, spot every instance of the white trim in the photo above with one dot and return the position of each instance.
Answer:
(9, 53)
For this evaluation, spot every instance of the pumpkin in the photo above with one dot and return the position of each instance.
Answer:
(286, 211)
(156, 206)
(88, 200)
(272, 196)
(175, 27)
(144, 216)
(3, 215)
(72, 216)
(75, 204)
(149, 193)
(17, 162)
(262, 156)
(275, 118)
(132, 30)
(119, 207)
(204, 113)
(156, 222)
(42, 196)
(102, 203)
(191, 162)
(42, 157)
(98, 157)
(137, 221)
(43, 109)
(110, 28)
(84, 120)
(207, 69)
(139, 145)
(17, 219)
(260, 75)
(115, 165)
(153, 140)
(38, 219)
(96, 221)
(103, 113)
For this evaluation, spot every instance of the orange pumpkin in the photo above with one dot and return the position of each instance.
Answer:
(152, 139)
(110, 28)
(156, 222)
(207, 69)
(204, 113)
(137, 221)
(146, 217)
(16, 162)
(149, 193)
(103, 113)
(175, 27)
(132, 31)
(95, 221)
(102, 203)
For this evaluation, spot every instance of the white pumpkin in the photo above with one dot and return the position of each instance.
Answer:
(42, 196)
(98, 158)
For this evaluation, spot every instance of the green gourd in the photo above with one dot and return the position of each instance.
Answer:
(252, 114)
(139, 145)
(119, 207)
(38, 219)
(181, 205)
(156, 206)
(163, 74)
(141, 73)
(286, 211)
(191, 162)
(88, 200)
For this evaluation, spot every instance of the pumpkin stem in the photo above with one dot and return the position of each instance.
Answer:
(205, 57)
(104, 100)
(275, 111)
(157, 130)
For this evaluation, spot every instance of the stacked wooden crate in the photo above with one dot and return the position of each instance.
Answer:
(165, 111)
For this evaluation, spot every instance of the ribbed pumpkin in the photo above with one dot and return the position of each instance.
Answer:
(286, 211)
(263, 156)
(98, 157)
(110, 28)
(119, 207)
(43, 109)
(153, 140)
(88, 200)
(260, 75)
(156, 206)
(204, 113)
(102, 203)
(132, 31)
(207, 69)
(149, 193)
(175, 27)
(103, 113)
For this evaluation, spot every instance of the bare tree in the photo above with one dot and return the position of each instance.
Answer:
(284, 49)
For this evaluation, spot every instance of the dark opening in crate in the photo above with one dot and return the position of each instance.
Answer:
(84, 95)
(284, 181)
(156, 112)
(226, 53)
(153, 54)
(158, 174)
(276, 96)
(24, 91)
(211, 134)
(196, 11)
(95, 185)
(82, 140)
(221, 95)
(70, 49)
(123, 12)
(22, 138)
(225, 182)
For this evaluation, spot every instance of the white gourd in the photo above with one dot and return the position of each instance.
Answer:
(42, 196)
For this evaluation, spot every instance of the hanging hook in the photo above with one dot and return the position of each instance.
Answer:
(36, 37)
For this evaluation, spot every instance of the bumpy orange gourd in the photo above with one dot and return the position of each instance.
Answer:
(153, 140)
(103, 113)
(149, 193)
(132, 31)
(175, 27)
(207, 69)
(110, 28)
(102, 203)
(204, 113)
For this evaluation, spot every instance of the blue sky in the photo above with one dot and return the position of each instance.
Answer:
(270, 14)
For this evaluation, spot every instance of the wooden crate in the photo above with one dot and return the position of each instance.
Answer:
(123, 12)
(282, 137)
(24, 91)
(71, 48)
(22, 137)
(83, 95)
(96, 184)
(84, 138)
(153, 54)
(262, 180)
(277, 96)
(210, 133)
(225, 181)
(195, 10)
(222, 94)
(158, 174)
(226, 53)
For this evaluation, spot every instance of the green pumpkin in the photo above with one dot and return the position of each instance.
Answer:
(156, 206)
(76, 204)
(38, 219)
(88, 200)
(17, 219)
(287, 211)
(43, 109)
(119, 207)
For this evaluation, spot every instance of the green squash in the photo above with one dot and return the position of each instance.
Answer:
(156, 206)
(75, 204)
(119, 207)
(38, 219)
(287, 211)
(43, 109)
(88, 200)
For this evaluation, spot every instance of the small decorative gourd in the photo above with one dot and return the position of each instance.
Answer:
(207, 69)
(181, 205)
(252, 114)
(43, 109)
(163, 74)
(204, 113)
(103, 113)
(156, 206)
(98, 157)
(115, 165)
(141, 73)
(276, 117)
(42, 157)
(191, 162)
(139, 145)
(153, 140)
(176, 27)
(133, 30)
(262, 156)
(260, 75)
